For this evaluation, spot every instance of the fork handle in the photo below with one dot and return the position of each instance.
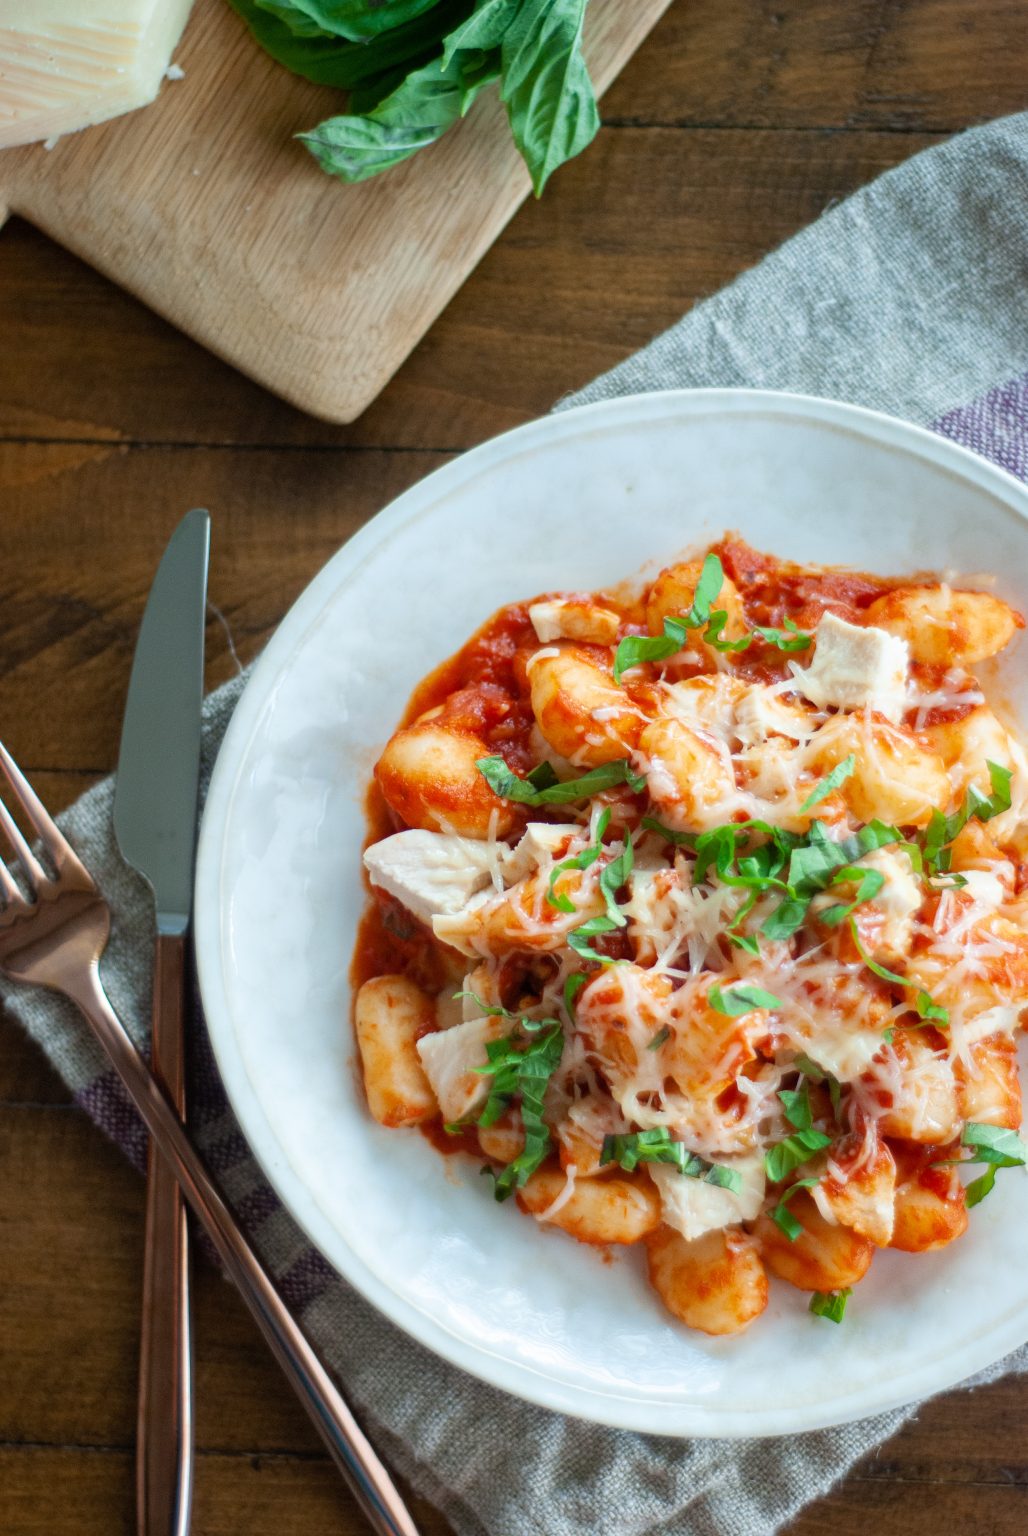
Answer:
(347, 1443)
(164, 1423)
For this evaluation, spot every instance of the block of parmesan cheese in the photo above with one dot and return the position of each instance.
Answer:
(65, 64)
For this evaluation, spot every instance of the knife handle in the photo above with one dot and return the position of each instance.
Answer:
(164, 1427)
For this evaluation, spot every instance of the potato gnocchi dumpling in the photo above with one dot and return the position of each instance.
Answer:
(698, 915)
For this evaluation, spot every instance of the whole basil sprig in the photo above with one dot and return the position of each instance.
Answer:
(414, 67)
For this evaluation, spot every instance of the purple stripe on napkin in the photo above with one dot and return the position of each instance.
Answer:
(996, 426)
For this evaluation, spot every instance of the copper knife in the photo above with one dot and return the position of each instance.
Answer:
(155, 805)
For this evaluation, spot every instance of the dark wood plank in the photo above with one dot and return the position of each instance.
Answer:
(914, 1509)
(73, 588)
(87, 363)
(71, 1491)
(897, 64)
(734, 126)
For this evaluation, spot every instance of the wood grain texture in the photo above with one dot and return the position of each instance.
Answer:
(735, 124)
(206, 207)
(660, 216)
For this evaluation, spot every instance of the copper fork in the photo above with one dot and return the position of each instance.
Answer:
(53, 937)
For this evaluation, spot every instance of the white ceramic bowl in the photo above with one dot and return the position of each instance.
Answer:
(579, 500)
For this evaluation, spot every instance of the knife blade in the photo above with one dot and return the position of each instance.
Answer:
(155, 803)
(159, 762)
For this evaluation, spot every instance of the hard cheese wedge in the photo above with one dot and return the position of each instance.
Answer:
(65, 64)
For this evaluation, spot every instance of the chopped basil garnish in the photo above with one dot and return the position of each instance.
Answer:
(931, 1013)
(715, 630)
(657, 1146)
(783, 1217)
(829, 785)
(660, 1038)
(574, 984)
(796, 1103)
(535, 790)
(830, 1304)
(612, 877)
(739, 998)
(792, 638)
(680, 839)
(942, 830)
(992, 1144)
(638, 648)
(784, 1156)
(869, 884)
(581, 861)
(817, 1074)
(578, 938)
(524, 1070)
(492, 1010)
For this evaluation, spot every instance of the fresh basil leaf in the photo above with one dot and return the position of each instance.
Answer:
(658, 1146)
(338, 61)
(580, 861)
(708, 589)
(715, 629)
(574, 984)
(612, 877)
(634, 649)
(506, 783)
(942, 830)
(796, 1103)
(724, 1178)
(830, 1304)
(421, 108)
(872, 965)
(739, 998)
(978, 1188)
(492, 1010)
(817, 1074)
(786, 918)
(869, 883)
(524, 1070)
(829, 785)
(784, 1156)
(1000, 799)
(542, 776)
(578, 939)
(995, 1144)
(680, 839)
(483, 30)
(546, 86)
(783, 1217)
(792, 638)
(932, 1013)
(744, 941)
(355, 20)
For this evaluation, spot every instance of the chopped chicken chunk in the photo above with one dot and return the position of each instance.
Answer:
(430, 872)
(856, 667)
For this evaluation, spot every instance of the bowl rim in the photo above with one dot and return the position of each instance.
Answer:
(593, 1405)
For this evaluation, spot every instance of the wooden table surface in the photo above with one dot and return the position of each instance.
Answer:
(737, 123)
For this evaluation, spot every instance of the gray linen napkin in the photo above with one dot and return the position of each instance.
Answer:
(907, 297)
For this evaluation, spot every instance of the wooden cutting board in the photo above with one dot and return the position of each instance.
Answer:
(204, 206)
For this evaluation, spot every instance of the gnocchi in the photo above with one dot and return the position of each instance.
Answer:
(739, 912)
